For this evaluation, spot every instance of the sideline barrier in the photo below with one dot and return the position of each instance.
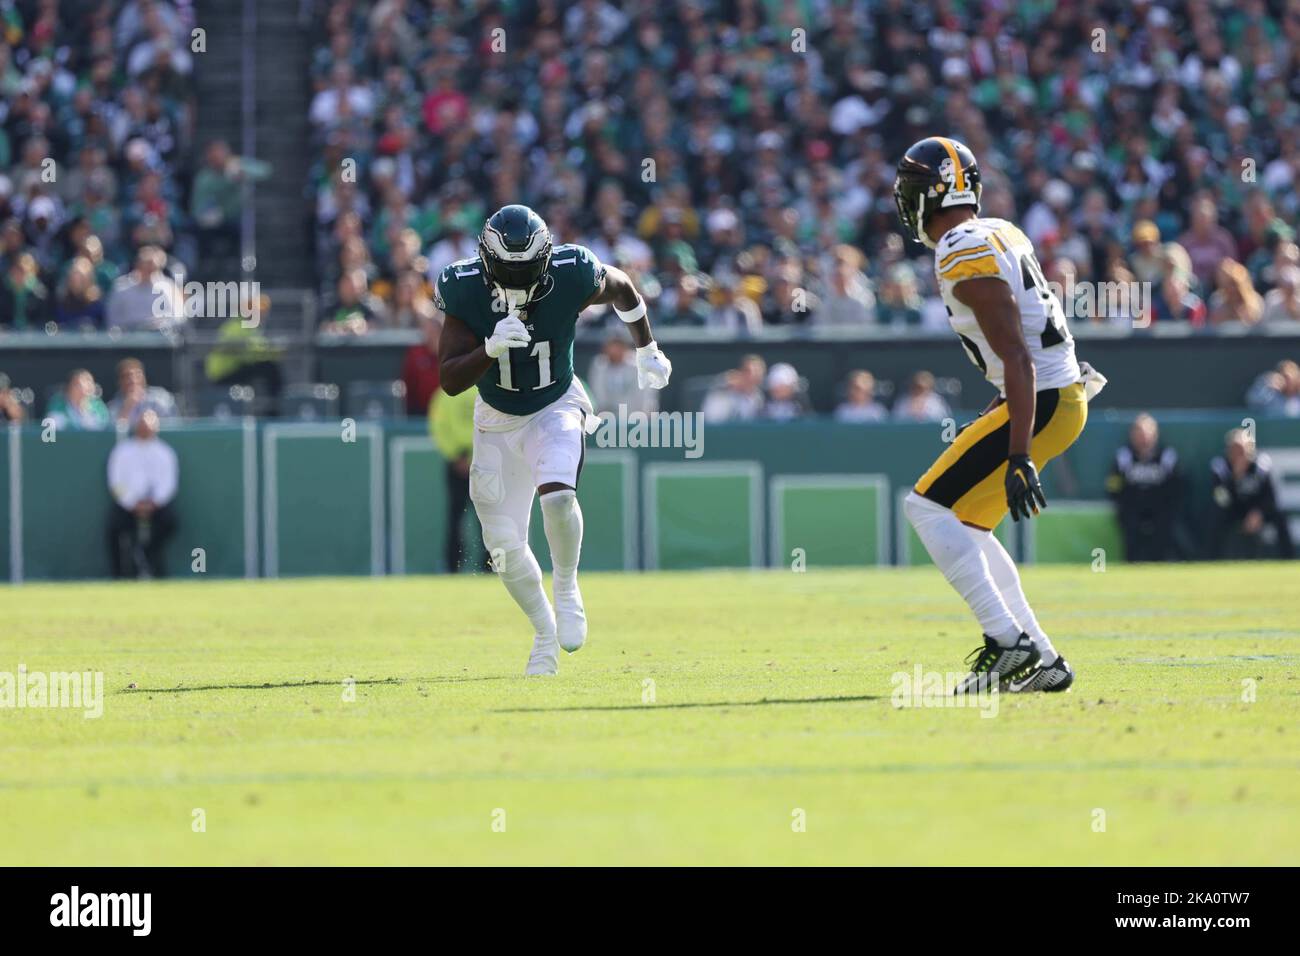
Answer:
(274, 498)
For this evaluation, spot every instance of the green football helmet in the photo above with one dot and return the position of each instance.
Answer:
(515, 247)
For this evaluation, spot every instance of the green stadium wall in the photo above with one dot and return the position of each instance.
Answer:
(296, 499)
(1172, 366)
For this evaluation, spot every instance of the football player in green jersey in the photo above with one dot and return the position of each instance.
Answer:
(510, 315)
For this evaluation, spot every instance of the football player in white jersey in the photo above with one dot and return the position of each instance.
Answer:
(1013, 328)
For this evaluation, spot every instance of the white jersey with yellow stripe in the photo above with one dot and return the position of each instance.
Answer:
(997, 249)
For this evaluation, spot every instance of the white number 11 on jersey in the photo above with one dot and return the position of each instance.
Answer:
(542, 352)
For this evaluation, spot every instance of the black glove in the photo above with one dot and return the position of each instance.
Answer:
(1024, 493)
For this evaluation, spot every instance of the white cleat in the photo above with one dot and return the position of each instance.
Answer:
(545, 658)
(570, 620)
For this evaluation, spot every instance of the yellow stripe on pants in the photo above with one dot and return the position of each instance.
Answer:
(983, 503)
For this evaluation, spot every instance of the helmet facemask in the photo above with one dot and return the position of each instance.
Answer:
(515, 273)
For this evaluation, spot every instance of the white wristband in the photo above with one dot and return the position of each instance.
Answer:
(633, 314)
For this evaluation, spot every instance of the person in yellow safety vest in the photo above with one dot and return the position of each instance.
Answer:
(243, 356)
(451, 424)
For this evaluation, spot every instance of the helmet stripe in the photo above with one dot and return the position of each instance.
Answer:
(952, 154)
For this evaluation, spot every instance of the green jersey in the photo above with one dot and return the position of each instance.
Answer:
(527, 379)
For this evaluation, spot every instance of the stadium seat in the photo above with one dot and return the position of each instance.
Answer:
(310, 401)
(370, 399)
(234, 401)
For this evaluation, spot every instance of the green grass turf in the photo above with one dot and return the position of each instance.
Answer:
(772, 693)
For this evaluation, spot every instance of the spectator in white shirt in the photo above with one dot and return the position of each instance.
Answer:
(734, 312)
(921, 403)
(786, 398)
(1044, 216)
(147, 297)
(457, 243)
(142, 477)
(860, 403)
(849, 299)
(612, 378)
(343, 98)
(1282, 304)
(739, 395)
(135, 396)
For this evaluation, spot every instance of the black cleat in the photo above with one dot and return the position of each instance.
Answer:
(1055, 677)
(994, 664)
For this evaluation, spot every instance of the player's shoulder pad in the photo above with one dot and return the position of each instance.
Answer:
(968, 251)
(572, 252)
(588, 267)
(453, 281)
(462, 269)
(971, 233)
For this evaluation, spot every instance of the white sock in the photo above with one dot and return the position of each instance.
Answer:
(562, 518)
(1007, 578)
(522, 577)
(962, 562)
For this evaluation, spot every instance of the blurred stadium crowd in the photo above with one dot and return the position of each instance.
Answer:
(735, 156)
(743, 187)
(101, 193)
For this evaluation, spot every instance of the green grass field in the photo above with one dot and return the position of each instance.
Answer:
(771, 696)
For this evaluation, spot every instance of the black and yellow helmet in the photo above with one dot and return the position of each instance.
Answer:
(515, 247)
(934, 173)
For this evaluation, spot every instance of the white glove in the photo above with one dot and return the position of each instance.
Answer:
(508, 334)
(1093, 381)
(652, 367)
